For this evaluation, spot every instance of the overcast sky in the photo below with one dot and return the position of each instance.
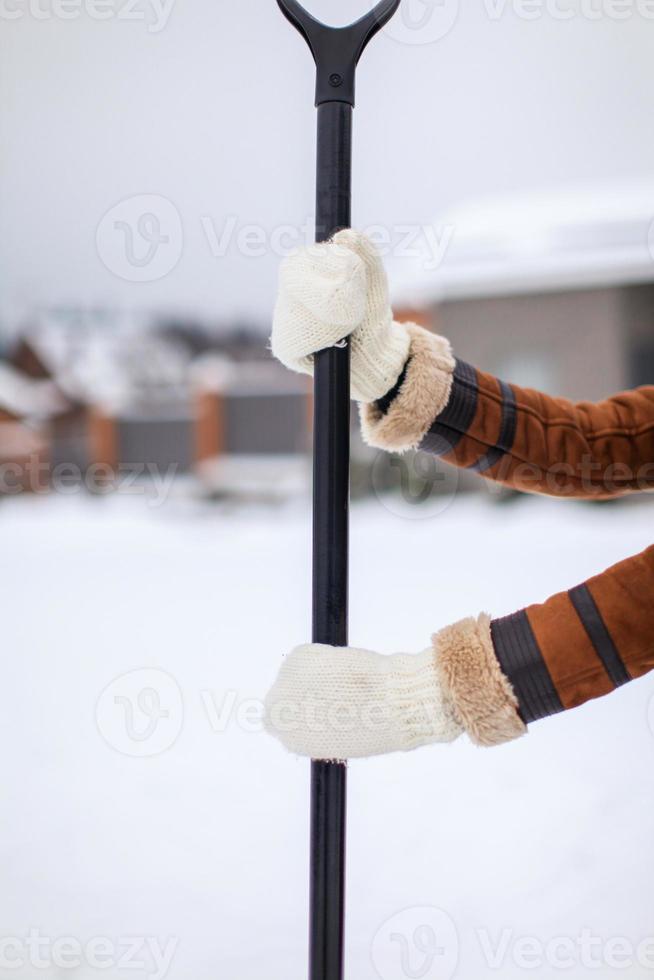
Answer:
(197, 115)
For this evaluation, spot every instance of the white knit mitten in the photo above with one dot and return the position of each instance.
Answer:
(335, 704)
(333, 291)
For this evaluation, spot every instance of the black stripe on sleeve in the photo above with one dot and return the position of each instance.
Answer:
(507, 432)
(383, 404)
(522, 662)
(453, 423)
(593, 622)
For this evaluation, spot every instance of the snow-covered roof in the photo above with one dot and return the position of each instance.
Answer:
(571, 238)
(115, 364)
(211, 372)
(29, 399)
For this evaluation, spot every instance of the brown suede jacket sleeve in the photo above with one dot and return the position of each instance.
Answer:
(503, 674)
(580, 644)
(521, 438)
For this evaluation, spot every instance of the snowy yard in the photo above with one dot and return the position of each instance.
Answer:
(192, 861)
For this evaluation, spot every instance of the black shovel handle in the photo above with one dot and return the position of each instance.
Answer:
(336, 51)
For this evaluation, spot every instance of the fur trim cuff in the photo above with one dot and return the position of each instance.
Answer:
(424, 394)
(470, 672)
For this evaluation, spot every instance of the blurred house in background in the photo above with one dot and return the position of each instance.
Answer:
(21, 443)
(92, 392)
(549, 290)
(67, 415)
(250, 408)
(254, 427)
(34, 414)
(553, 291)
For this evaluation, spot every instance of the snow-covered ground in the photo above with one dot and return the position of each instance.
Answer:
(149, 806)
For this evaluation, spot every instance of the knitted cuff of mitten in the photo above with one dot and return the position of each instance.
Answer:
(483, 699)
(423, 395)
(421, 713)
(378, 359)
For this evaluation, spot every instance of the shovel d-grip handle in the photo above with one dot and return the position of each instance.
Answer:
(336, 51)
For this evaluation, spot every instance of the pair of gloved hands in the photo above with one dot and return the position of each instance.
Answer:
(330, 703)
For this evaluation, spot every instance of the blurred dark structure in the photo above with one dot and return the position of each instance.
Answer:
(582, 344)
